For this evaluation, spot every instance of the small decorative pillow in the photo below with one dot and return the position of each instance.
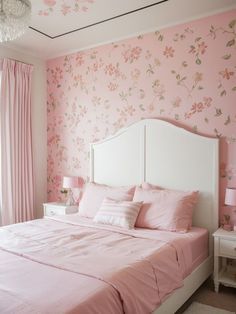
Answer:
(165, 209)
(95, 193)
(149, 186)
(118, 213)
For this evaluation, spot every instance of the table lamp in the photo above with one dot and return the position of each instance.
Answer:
(230, 199)
(70, 183)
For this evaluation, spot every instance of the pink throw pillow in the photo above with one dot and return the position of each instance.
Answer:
(149, 186)
(118, 213)
(165, 209)
(95, 193)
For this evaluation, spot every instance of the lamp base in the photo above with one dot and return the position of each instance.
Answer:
(70, 200)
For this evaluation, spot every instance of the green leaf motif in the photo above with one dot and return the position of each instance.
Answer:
(218, 112)
(198, 61)
(141, 107)
(223, 93)
(230, 43)
(232, 24)
(226, 57)
(227, 121)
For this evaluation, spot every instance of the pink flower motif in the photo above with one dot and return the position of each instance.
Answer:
(202, 48)
(54, 140)
(199, 107)
(57, 181)
(135, 74)
(169, 52)
(65, 9)
(130, 110)
(226, 73)
(197, 77)
(80, 144)
(79, 59)
(111, 70)
(49, 3)
(112, 86)
(177, 101)
(95, 66)
(133, 54)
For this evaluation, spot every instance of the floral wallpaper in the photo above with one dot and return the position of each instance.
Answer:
(184, 74)
(66, 6)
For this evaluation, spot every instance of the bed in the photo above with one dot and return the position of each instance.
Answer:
(41, 270)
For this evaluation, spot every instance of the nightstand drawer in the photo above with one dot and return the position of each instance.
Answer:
(228, 247)
(51, 211)
(54, 208)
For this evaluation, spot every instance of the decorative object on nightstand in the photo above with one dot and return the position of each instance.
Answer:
(230, 199)
(226, 223)
(55, 208)
(70, 183)
(224, 258)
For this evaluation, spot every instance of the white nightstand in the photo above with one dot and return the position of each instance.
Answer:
(55, 208)
(224, 248)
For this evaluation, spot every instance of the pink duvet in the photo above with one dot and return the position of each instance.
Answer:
(70, 265)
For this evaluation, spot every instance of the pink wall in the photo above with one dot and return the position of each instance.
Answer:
(184, 74)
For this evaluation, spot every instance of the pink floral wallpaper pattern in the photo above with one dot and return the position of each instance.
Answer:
(184, 74)
(66, 6)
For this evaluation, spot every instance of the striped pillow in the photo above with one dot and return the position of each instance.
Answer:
(118, 213)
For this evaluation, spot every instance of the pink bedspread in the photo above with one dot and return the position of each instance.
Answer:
(70, 265)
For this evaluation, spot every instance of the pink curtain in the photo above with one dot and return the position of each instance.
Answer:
(17, 181)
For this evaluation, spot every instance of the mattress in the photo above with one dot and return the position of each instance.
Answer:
(197, 249)
(199, 246)
(68, 265)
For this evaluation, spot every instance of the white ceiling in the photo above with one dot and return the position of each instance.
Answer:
(113, 19)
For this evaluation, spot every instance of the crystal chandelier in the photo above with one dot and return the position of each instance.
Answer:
(14, 18)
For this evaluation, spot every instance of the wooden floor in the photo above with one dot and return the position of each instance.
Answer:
(225, 299)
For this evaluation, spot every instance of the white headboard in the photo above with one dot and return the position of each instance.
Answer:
(160, 153)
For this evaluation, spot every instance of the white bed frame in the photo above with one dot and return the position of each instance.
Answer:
(160, 153)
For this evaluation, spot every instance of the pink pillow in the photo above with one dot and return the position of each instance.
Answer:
(95, 193)
(149, 186)
(118, 213)
(165, 209)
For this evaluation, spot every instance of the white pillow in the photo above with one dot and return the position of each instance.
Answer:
(118, 213)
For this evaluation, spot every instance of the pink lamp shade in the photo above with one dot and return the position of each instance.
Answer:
(70, 182)
(230, 196)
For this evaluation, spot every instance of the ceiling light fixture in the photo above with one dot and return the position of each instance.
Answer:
(14, 18)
